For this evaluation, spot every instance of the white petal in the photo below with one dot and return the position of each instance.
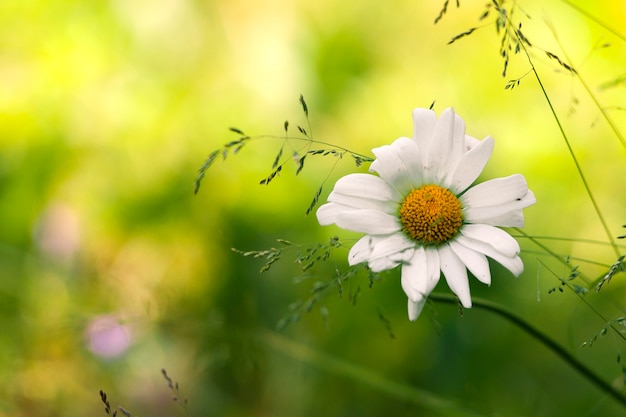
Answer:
(409, 153)
(470, 142)
(456, 274)
(381, 252)
(513, 218)
(424, 122)
(433, 263)
(414, 275)
(419, 277)
(489, 213)
(498, 238)
(361, 250)
(372, 222)
(421, 273)
(394, 244)
(366, 185)
(363, 203)
(496, 191)
(529, 199)
(403, 256)
(415, 308)
(474, 261)
(407, 286)
(382, 264)
(327, 213)
(399, 164)
(446, 148)
(471, 165)
(513, 264)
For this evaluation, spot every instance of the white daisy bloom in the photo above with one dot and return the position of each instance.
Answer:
(422, 213)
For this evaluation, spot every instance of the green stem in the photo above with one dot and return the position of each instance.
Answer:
(569, 145)
(584, 278)
(593, 97)
(541, 338)
(594, 19)
(313, 141)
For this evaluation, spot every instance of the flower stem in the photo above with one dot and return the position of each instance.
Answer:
(570, 149)
(594, 19)
(541, 338)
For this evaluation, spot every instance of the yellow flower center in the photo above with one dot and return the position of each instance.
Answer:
(431, 215)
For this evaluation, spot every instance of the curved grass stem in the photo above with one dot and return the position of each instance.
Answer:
(593, 97)
(541, 338)
(594, 19)
(569, 145)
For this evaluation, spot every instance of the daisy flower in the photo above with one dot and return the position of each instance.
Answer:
(422, 213)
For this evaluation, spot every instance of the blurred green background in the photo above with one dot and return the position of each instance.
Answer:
(111, 269)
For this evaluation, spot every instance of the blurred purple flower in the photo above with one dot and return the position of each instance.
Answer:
(107, 337)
